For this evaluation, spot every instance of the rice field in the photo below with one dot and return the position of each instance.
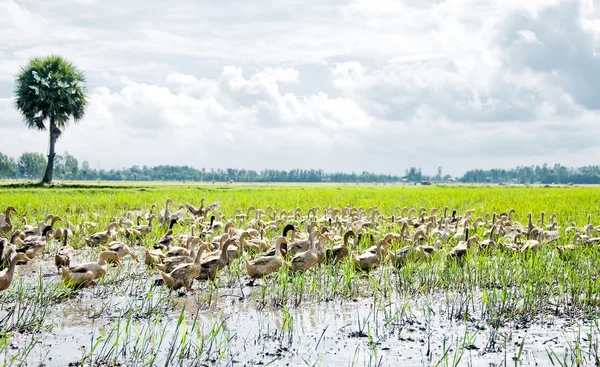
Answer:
(506, 304)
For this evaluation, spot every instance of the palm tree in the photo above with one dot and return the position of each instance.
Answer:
(48, 93)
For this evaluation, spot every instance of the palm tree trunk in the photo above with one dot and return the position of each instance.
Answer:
(54, 133)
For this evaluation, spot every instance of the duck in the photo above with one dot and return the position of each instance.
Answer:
(207, 229)
(250, 247)
(122, 249)
(184, 274)
(25, 226)
(183, 238)
(307, 259)
(402, 256)
(10, 248)
(565, 252)
(37, 231)
(6, 224)
(587, 240)
(415, 251)
(369, 260)
(211, 265)
(535, 244)
(153, 257)
(266, 265)
(4, 258)
(6, 275)
(490, 242)
(140, 230)
(212, 223)
(260, 244)
(391, 237)
(218, 246)
(169, 263)
(59, 233)
(33, 245)
(177, 251)
(64, 254)
(460, 250)
(100, 238)
(165, 241)
(179, 214)
(217, 224)
(550, 235)
(85, 274)
(125, 222)
(300, 246)
(320, 250)
(284, 246)
(514, 244)
(165, 215)
(340, 252)
(203, 211)
(233, 252)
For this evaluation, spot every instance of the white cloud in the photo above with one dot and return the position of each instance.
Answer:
(339, 85)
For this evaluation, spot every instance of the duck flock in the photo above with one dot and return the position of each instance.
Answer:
(199, 242)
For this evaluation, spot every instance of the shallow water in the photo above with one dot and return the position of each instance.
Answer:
(121, 324)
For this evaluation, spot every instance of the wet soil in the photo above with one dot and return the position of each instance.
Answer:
(237, 330)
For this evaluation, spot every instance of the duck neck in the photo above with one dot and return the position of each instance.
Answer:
(54, 220)
(278, 248)
(7, 217)
(102, 260)
(199, 255)
(14, 237)
(379, 250)
(321, 243)
(311, 241)
(347, 238)
(11, 267)
(224, 250)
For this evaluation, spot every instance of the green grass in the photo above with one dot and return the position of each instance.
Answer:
(571, 204)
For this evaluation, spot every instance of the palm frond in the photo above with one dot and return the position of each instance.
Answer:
(50, 89)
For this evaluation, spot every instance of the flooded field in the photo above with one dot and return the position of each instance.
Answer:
(493, 306)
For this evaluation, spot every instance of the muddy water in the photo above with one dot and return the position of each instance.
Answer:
(123, 325)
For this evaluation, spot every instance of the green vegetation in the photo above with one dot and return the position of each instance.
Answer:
(466, 312)
(49, 92)
(544, 175)
(67, 167)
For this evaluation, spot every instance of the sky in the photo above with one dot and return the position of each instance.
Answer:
(343, 86)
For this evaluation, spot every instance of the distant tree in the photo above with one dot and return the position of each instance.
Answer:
(49, 92)
(414, 174)
(8, 167)
(85, 172)
(71, 166)
(59, 166)
(31, 165)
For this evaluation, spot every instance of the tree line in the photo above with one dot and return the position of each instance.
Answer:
(544, 174)
(66, 167)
